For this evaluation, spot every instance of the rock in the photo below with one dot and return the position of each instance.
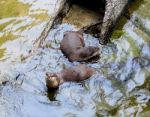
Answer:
(113, 10)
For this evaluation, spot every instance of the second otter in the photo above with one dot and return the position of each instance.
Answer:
(76, 74)
(74, 48)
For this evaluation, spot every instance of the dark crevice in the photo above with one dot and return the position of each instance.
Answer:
(94, 5)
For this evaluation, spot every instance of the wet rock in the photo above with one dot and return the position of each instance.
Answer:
(113, 10)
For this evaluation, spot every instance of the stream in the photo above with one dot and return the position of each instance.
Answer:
(120, 88)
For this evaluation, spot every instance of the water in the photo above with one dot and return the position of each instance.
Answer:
(120, 88)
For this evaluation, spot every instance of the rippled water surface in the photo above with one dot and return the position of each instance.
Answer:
(121, 87)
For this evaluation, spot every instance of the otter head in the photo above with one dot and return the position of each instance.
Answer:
(78, 33)
(52, 80)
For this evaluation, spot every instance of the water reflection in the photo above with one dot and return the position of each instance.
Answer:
(120, 87)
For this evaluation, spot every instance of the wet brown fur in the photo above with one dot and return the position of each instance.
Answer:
(77, 73)
(73, 47)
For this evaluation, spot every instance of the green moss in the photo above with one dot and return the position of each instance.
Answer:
(104, 71)
(144, 36)
(113, 111)
(147, 108)
(134, 49)
(41, 16)
(2, 52)
(2, 26)
(144, 9)
(145, 114)
(139, 24)
(117, 34)
(6, 37)
(141, 7)
(118, 30)
(17, 22)
(146, 84)
(132, 101)
(12, 8)
(123, 20)
(22, 28)
(135, 5)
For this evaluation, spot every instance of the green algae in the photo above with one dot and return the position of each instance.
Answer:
(17, 22)
(135, 6)
(41, 16)
(144, 36)
(113, 111)
(146, 84)
(134, 49)
(139, 24)
(144, 10)
(117, 34)
(118, 30)
(6, 37)
(2, 51)
(4, 25)
(114, 56)
(22, 28)
(132, 101)
(141, 7)
(13, 8)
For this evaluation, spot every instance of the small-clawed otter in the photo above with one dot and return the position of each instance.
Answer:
(74, 48)
(76, 73)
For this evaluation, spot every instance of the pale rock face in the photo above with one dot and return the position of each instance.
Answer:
(113, 10)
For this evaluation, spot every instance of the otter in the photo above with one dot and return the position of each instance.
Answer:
(75, 74)
(73, 47)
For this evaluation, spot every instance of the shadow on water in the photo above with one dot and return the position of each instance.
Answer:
(51, 94)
